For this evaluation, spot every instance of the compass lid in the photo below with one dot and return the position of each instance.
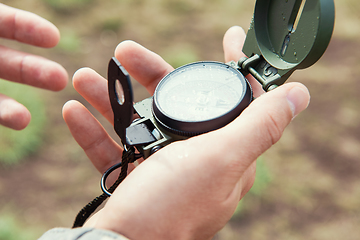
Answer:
(290, 34)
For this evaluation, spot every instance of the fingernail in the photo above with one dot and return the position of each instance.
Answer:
(299, 99)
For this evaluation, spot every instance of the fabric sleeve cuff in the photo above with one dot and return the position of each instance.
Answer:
(80, 234)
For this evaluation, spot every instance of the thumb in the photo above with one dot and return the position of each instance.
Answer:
(258, 127)
(268, 116)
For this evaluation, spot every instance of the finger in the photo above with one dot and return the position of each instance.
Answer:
(13, 114)
(101, 149)
(145, 66)
(27, 27)
(233, 43)
(93, 87)
(31, 70)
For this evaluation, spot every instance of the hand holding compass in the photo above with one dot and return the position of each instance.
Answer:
(210, 173)
(191, 187)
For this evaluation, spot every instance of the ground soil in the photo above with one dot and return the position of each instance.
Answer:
(314, 186)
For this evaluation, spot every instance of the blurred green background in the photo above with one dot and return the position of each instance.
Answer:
(308, 184)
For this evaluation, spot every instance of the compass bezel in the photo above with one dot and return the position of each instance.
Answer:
(192, 128)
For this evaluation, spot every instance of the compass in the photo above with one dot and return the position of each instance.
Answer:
(284, 35)
(200, 97)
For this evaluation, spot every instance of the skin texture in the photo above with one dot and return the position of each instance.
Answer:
(28, 28)
(189, 189)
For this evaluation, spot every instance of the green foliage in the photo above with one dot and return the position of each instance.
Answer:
(262, 180)
(180, 56)
(69, 42)
(11, 229)
(14, 145)
(180, 6)
(113, 24)
(67, 6)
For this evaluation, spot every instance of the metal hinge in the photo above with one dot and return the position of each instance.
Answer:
(260, 69)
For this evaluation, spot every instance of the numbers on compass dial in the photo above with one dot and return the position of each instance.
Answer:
(200, 92)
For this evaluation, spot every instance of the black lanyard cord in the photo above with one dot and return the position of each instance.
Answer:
(128, 156)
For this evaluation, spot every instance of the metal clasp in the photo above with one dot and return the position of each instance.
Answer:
(261, 70)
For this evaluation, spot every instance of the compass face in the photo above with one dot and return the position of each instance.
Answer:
(200, 96)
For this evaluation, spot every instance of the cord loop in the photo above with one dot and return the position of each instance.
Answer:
(129, 156)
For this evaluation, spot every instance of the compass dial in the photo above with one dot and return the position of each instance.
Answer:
(200, 97)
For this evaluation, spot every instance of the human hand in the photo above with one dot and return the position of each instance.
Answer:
(25, 68)
(188, 189)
